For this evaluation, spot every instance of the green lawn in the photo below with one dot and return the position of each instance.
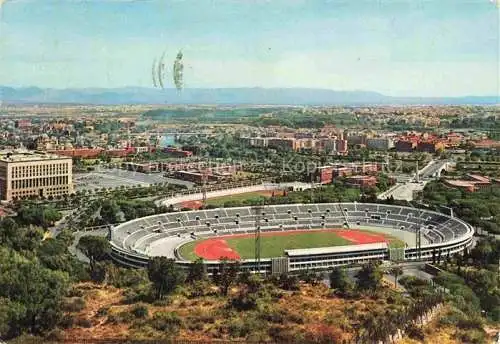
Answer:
(219, 201)
(187, 250)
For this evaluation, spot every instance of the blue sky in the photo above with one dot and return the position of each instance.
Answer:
(397, 47)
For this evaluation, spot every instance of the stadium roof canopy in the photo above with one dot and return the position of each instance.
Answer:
(336, 249)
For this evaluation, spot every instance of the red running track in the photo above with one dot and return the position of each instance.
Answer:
(213, 249)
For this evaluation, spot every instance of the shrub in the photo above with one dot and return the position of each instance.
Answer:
(238, 328)
(83, 322)
(122, 317)
(74, 304)
(415, 332)
(75, 292)
(286, 334)
(273, 315)
(286, 282)
(162, 303)
(140, 311)
(166, 321)
(67, 321)
(122, 277)
(322, 333)
(139, 294)
(102, 311)
(198, 289)
(470, 323)
(472, 336)
(244, 301)
(55, 335)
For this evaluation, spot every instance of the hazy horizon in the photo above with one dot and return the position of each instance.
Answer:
(245, 88)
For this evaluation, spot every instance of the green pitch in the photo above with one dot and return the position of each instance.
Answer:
(275, 245)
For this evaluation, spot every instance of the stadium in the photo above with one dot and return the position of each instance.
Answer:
(293, 237)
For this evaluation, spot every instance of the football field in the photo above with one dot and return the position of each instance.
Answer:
(273, 244)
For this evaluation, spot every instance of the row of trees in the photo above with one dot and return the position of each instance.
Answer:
(481, 208)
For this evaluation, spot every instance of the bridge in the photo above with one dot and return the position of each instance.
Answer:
(434, 168)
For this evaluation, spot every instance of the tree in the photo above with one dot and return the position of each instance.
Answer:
(109, 211)
(482, 252)
(8, 231)
(32, 293)
(164, 275)
(369, 277)
(339, 280)
(44, 216)
(396, 271)
(226, 275)
(196, 271)
(11, 314)
(95, 248)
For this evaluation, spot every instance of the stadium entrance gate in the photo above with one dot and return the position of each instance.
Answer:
(279, 265)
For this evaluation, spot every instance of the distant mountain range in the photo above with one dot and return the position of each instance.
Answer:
(222, 96)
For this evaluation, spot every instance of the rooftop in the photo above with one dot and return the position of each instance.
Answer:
(336, 249)
(460, 183)
(479, 178)
(25, 156)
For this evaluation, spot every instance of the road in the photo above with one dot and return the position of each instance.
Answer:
(403, 191)
(431, 169)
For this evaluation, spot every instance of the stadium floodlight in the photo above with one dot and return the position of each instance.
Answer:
(257, 211)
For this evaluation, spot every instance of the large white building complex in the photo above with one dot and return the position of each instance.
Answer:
(135, 241)
(31, 173)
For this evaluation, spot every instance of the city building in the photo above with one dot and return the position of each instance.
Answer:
(32, 173)
(362, 181)
(380, 143)
(341, 147)
(486, 144)
(430, 147)
(282, 143)
(83, 153)
(142, 168)
(326, 174)
(473, 183)
(23, 123)
(177, 153)
(405, 146)
(356, 139)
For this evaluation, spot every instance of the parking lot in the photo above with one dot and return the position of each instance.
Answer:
(114, 178)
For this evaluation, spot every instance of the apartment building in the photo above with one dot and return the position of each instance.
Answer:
(32, 173)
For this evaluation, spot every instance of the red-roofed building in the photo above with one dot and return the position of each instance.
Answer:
(486, 144)
(83, 153)
(177, 153)
(362, 181)
(473, 183)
